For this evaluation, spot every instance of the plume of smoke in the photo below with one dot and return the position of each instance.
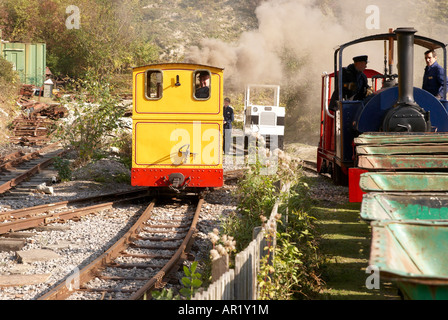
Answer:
(310, 30)
(304, 34)
(284, 25)
(292, 46)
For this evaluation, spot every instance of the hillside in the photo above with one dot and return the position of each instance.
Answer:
(174, 25)
(285, 42)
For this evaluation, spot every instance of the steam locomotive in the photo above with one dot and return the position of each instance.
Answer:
(393, 108)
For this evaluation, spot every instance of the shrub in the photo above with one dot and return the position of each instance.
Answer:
(63, 167)
(95, 118)
(289, 271)
(256, 196)
(9, 84)
(293, 273)
(7, 73)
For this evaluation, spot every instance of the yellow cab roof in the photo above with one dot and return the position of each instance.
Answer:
(176, 65)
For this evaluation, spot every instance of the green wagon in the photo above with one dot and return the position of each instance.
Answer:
(413, 255)
(404, 206)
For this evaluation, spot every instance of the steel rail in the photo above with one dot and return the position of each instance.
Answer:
(11, 156)
(15, 181)
(311, 166)
(30, 211)
(12, 163)
(62, 291)
(234, 174)
(17, 157)
(27, 223)
(145, 291)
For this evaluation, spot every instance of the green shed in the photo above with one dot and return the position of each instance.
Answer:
(29, 60)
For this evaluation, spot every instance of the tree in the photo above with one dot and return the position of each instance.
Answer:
(110, 37)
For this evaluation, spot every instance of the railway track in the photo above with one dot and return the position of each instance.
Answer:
(141, 260)
(20, 168)
(22, 219)
(60, 212)
(233, 175)
(311, 166)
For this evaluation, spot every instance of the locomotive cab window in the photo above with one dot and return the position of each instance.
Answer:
(202, 82)
(154, 84)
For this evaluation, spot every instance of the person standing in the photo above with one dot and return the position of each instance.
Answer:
(228, 119)
(433, 78)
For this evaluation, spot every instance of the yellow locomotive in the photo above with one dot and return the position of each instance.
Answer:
(177, 126)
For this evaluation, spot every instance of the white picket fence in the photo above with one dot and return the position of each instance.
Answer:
(241, 283)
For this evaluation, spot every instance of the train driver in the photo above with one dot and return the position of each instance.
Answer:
(354, 82)
(433, 77)
(203, 92)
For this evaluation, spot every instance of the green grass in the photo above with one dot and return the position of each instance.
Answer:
(345, 243)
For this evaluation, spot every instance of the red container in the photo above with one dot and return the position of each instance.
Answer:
(354, 191)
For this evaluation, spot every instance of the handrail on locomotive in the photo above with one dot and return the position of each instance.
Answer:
(419, 40)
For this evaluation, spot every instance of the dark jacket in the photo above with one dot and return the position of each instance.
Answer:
(228, 117)
(433, 79)
(202, 93)
(354, 83)
(354, 86)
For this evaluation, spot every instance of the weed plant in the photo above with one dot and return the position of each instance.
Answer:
(191, 283)
(257, 195)
(9, 88)
(95, 118)
(63, 168)
(293, 272)
(290, 270)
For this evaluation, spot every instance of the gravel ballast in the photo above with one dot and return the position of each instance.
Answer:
(77, 243)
